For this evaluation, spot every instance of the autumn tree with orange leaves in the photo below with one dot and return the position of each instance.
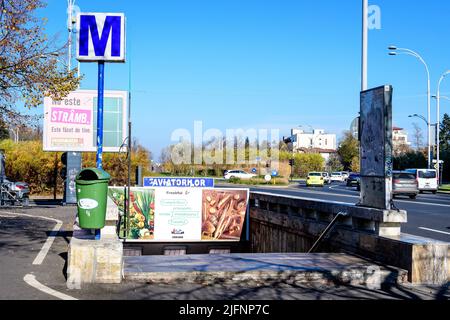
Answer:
(29, 69)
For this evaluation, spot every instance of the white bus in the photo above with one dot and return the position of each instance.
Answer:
(426, 179)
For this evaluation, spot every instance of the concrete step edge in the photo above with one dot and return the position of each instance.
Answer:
(348, 276)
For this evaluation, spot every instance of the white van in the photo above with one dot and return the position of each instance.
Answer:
(426, 179)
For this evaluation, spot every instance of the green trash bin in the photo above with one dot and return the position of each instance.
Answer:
(92, 194)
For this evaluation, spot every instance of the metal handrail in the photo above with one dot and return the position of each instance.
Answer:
(327, 229)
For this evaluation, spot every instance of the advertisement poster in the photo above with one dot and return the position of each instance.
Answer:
(223, 213)
(142, 211)
(70, 124)
(181, 214)
(178, 214)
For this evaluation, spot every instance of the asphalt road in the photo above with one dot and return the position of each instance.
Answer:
(23, 238)
(428, 215)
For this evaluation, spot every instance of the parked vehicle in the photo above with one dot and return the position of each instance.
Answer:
(353, 180)
(404, 183)
(326, 177)
(315, 179)
(336, 176)
(240, 174)
(345, 175)
(12, 192)
(426, 179)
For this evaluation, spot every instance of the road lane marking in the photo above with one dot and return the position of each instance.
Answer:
(352, 196)
(50, 239)
(47, 245)
(2, 216)
(31, 280)
(428, 229)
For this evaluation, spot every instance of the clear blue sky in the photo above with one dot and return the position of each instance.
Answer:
(265, 63)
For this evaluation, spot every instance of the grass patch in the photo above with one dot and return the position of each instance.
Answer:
(279, 181)
(445, 187)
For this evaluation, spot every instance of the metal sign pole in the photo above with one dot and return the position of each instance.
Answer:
(101, 83)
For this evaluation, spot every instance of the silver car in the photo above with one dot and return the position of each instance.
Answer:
(405, 184)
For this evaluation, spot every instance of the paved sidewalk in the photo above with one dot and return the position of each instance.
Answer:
(22, 237)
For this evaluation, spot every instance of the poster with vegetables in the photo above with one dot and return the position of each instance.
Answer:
(142, 211)
(181, 214)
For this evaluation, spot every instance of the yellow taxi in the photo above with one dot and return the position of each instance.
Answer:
(315, 179)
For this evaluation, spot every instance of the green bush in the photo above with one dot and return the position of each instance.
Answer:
(260, 181)
(27, 162)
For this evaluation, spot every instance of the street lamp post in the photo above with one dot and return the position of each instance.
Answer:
(396, 51)
(365, 41)
(418, 116)
(438, 115)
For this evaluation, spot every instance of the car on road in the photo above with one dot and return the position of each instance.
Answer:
(240, 174)
(345, 175)
(353, 180)
(426, 179)
(326, 177)
(404, 183)
(336, 177)
(315, 179)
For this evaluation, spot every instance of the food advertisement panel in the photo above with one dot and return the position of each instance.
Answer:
(178, 214)
(223, 213)
(181, 214)
(142, 211)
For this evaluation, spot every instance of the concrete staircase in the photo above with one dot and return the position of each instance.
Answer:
(290, 268)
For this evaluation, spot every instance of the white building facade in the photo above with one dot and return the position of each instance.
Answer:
(317, 139)
(399, 137)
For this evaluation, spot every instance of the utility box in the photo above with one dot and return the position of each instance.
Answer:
(71, 167)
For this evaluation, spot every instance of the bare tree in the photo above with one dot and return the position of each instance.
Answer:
(417, 136)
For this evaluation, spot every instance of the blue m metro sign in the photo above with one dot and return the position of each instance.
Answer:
(101, 37)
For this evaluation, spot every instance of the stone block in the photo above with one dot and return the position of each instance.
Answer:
(94, 261)
(430, 263)
(388, 229)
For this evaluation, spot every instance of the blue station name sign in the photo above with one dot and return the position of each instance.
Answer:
(179, 182)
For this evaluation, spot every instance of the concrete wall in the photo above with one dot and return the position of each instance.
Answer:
(290, 224)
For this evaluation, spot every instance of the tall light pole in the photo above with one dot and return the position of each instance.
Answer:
(418, 116)
(70, 5)
(365, 43)
(396, 51)
(70, 23)
(438, 115)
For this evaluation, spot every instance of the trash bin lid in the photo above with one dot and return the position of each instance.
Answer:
(93, 174)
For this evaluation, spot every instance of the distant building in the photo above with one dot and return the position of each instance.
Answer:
(399, 137)
(317, 139)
